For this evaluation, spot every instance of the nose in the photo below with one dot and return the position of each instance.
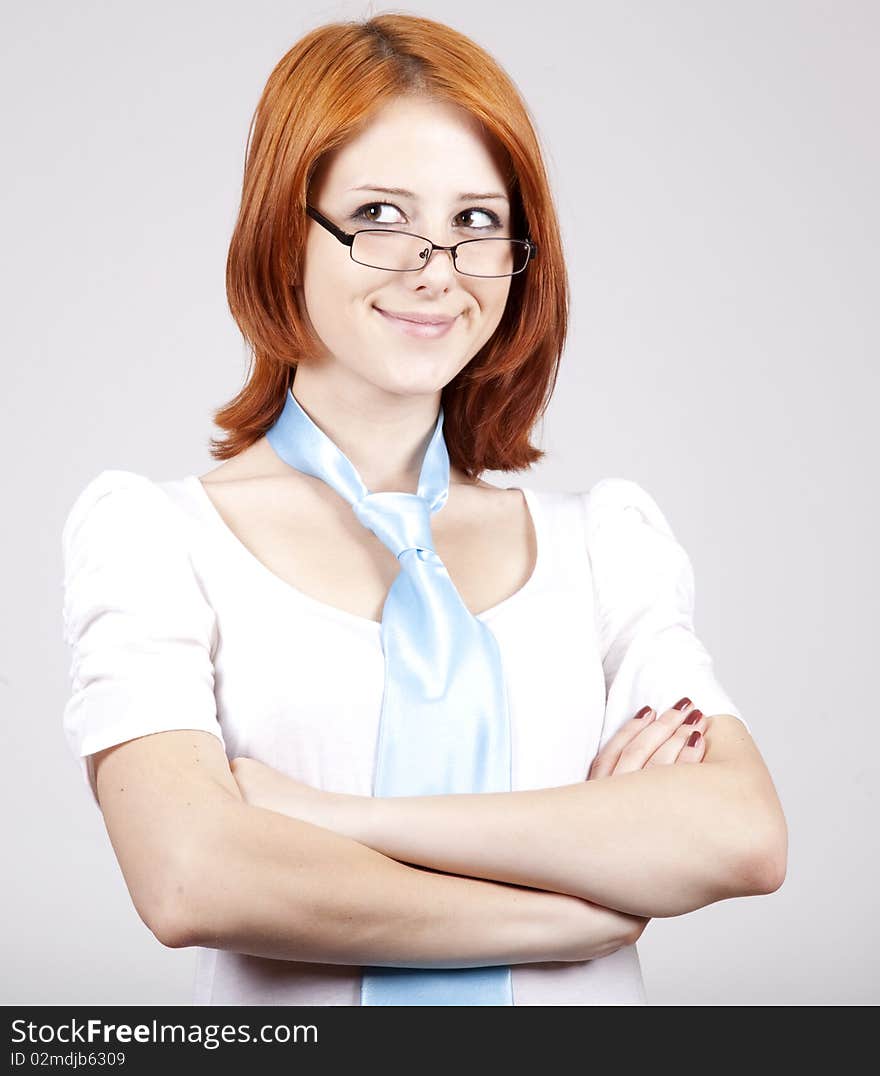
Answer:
(438, 266)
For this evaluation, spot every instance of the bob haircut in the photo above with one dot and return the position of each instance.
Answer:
(317, 97)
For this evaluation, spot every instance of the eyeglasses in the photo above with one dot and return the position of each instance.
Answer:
(403, 252)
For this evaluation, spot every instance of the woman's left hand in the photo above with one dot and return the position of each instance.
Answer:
(264, 786)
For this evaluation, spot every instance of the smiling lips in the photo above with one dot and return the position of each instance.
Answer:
(424, 325)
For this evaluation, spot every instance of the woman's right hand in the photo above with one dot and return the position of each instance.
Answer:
(649, 740)
(646, 740)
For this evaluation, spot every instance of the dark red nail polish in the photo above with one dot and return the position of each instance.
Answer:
(693, 739)
(645, 710)
(693, 717)
(682, 704)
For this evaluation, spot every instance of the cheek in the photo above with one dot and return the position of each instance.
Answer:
(492, 302)
(334, 293)
(492, 296)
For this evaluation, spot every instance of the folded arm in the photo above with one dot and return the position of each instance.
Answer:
(662, 841)
(205, 868)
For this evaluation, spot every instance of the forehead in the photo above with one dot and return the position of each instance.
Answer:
(433, 148)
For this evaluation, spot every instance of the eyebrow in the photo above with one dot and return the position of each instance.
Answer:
(401, 193)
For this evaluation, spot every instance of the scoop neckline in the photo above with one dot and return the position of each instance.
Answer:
(343, 615)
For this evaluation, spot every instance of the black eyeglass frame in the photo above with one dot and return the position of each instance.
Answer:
(347, 238)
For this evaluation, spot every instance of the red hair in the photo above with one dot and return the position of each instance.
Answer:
(315, 99)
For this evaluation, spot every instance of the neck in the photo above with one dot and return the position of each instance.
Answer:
(385, 437)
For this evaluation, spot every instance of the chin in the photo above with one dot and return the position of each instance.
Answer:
(414, 378)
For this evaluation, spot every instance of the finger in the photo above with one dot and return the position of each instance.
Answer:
(604, 762)
(694, 752)
(652, 738)
(670, 751)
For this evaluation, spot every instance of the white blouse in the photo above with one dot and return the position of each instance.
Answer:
(174, 624)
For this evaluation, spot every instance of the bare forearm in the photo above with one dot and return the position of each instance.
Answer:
(658, 842)
(281, 888)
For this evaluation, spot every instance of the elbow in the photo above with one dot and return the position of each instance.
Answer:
(173, 933)
(775, 863)
(177, 916)
(772, 865)
(763, 864)
(174, 923)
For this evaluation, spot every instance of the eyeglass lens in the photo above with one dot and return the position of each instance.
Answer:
(478, 257)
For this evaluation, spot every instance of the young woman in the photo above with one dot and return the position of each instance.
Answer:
(359, 768)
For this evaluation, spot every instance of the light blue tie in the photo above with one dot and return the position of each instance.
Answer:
(444, 726)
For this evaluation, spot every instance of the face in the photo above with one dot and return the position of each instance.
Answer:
(437, 152)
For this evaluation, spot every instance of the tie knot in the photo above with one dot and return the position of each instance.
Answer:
(401, 520)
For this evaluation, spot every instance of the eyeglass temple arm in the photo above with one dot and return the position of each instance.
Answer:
(343, 237)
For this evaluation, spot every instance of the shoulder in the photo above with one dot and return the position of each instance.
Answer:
(633, 551)
(620, 504)
(116, 485)
(125, 550)
(118, 506)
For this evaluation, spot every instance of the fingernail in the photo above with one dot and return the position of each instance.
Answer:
(682, 704)
(645, 710)
(693, 739)
(693, 717)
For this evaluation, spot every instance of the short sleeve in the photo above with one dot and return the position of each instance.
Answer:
(141, 632)
(643, 583)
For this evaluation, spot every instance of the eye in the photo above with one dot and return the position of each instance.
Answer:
(364, 214)
(367, 214)
(494, 219)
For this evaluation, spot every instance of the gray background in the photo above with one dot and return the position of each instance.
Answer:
(716, 173)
